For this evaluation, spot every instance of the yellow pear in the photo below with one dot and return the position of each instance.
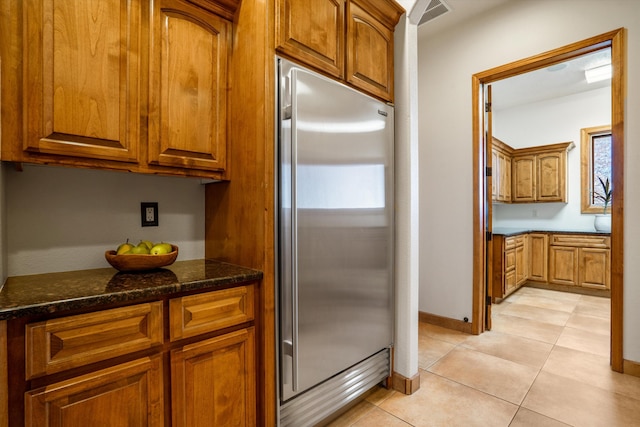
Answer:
(124, 247)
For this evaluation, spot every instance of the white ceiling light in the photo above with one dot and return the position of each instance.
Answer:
(598, 73)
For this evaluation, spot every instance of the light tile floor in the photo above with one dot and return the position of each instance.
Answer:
(544, 363)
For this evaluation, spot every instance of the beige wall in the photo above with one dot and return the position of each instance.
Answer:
(60, 219)
(446, 62)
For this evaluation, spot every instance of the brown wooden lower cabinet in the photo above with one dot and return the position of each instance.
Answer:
(125, 395)
(576, 260)
(509, 264)
(580, 260)
(538, 256)
(213, 382)
(119, 368)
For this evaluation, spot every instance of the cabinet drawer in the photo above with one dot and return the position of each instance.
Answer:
(68, 342)
(198, 314)
(581, 240)
(512, 242)
(509, 260)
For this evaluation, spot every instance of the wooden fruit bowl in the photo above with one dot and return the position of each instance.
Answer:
(141, 262)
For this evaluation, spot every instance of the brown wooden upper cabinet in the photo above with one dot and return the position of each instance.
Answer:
(115, 87)
(529, 175)
(350, 40)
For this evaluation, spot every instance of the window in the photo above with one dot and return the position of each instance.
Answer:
(595, 161)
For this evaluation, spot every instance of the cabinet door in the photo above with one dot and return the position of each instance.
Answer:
(188, 87)
(522, 268)
(505, 177)
(538, 244)
(551, 177)
(312, 31)
(495, 175)
(126, 395)
(524, 179)
(82, 71)
(595, 268)
(213, 382)
(369, 53)
(563, 265)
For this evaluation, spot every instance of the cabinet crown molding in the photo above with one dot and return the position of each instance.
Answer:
(388, 12)
(225, 8)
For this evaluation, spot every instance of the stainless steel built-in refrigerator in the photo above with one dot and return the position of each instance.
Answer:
(335, 244)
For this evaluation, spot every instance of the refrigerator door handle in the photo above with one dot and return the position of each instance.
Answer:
(294, 240)
(290, 278)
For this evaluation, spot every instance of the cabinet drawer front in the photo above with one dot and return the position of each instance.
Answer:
(198, 314)
(68, 342)
(581, 240)
(512, 242)
(128, 394)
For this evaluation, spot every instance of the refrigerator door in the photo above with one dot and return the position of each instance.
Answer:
(336, 228)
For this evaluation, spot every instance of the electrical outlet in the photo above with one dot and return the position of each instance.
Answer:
(149, 214)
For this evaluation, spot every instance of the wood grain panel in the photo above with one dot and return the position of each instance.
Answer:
(595, 268)
(563, 265)
(551, 179)
(369, 53)
(214, 382)
(312, 31)
(82, 78)
(524, 179)
(68, 342)
(581, 240)
(126, 395)
(188, 87)
(538, 256)
(197, 314)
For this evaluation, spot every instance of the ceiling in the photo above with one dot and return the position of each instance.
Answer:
(546, 83)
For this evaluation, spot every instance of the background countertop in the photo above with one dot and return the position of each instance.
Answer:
(513, 231)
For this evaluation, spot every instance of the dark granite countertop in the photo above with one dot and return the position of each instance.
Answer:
(52, 292)
(514, 231)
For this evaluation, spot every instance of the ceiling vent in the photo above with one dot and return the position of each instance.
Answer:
(434, 9)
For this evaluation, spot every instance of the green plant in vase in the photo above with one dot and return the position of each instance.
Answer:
(605, 195)
(602, 222)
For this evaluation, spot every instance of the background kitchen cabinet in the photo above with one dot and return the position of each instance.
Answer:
(319, 35)
(524, 178)
(580, 260)
(522, 259)
(75, 85)
(563, 265)
(510, 264)
(540, 173)
(538, 256)
(501, 171)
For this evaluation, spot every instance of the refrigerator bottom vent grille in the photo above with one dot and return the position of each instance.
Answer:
(326, 398)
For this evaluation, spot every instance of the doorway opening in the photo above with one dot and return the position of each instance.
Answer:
(482, 175)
